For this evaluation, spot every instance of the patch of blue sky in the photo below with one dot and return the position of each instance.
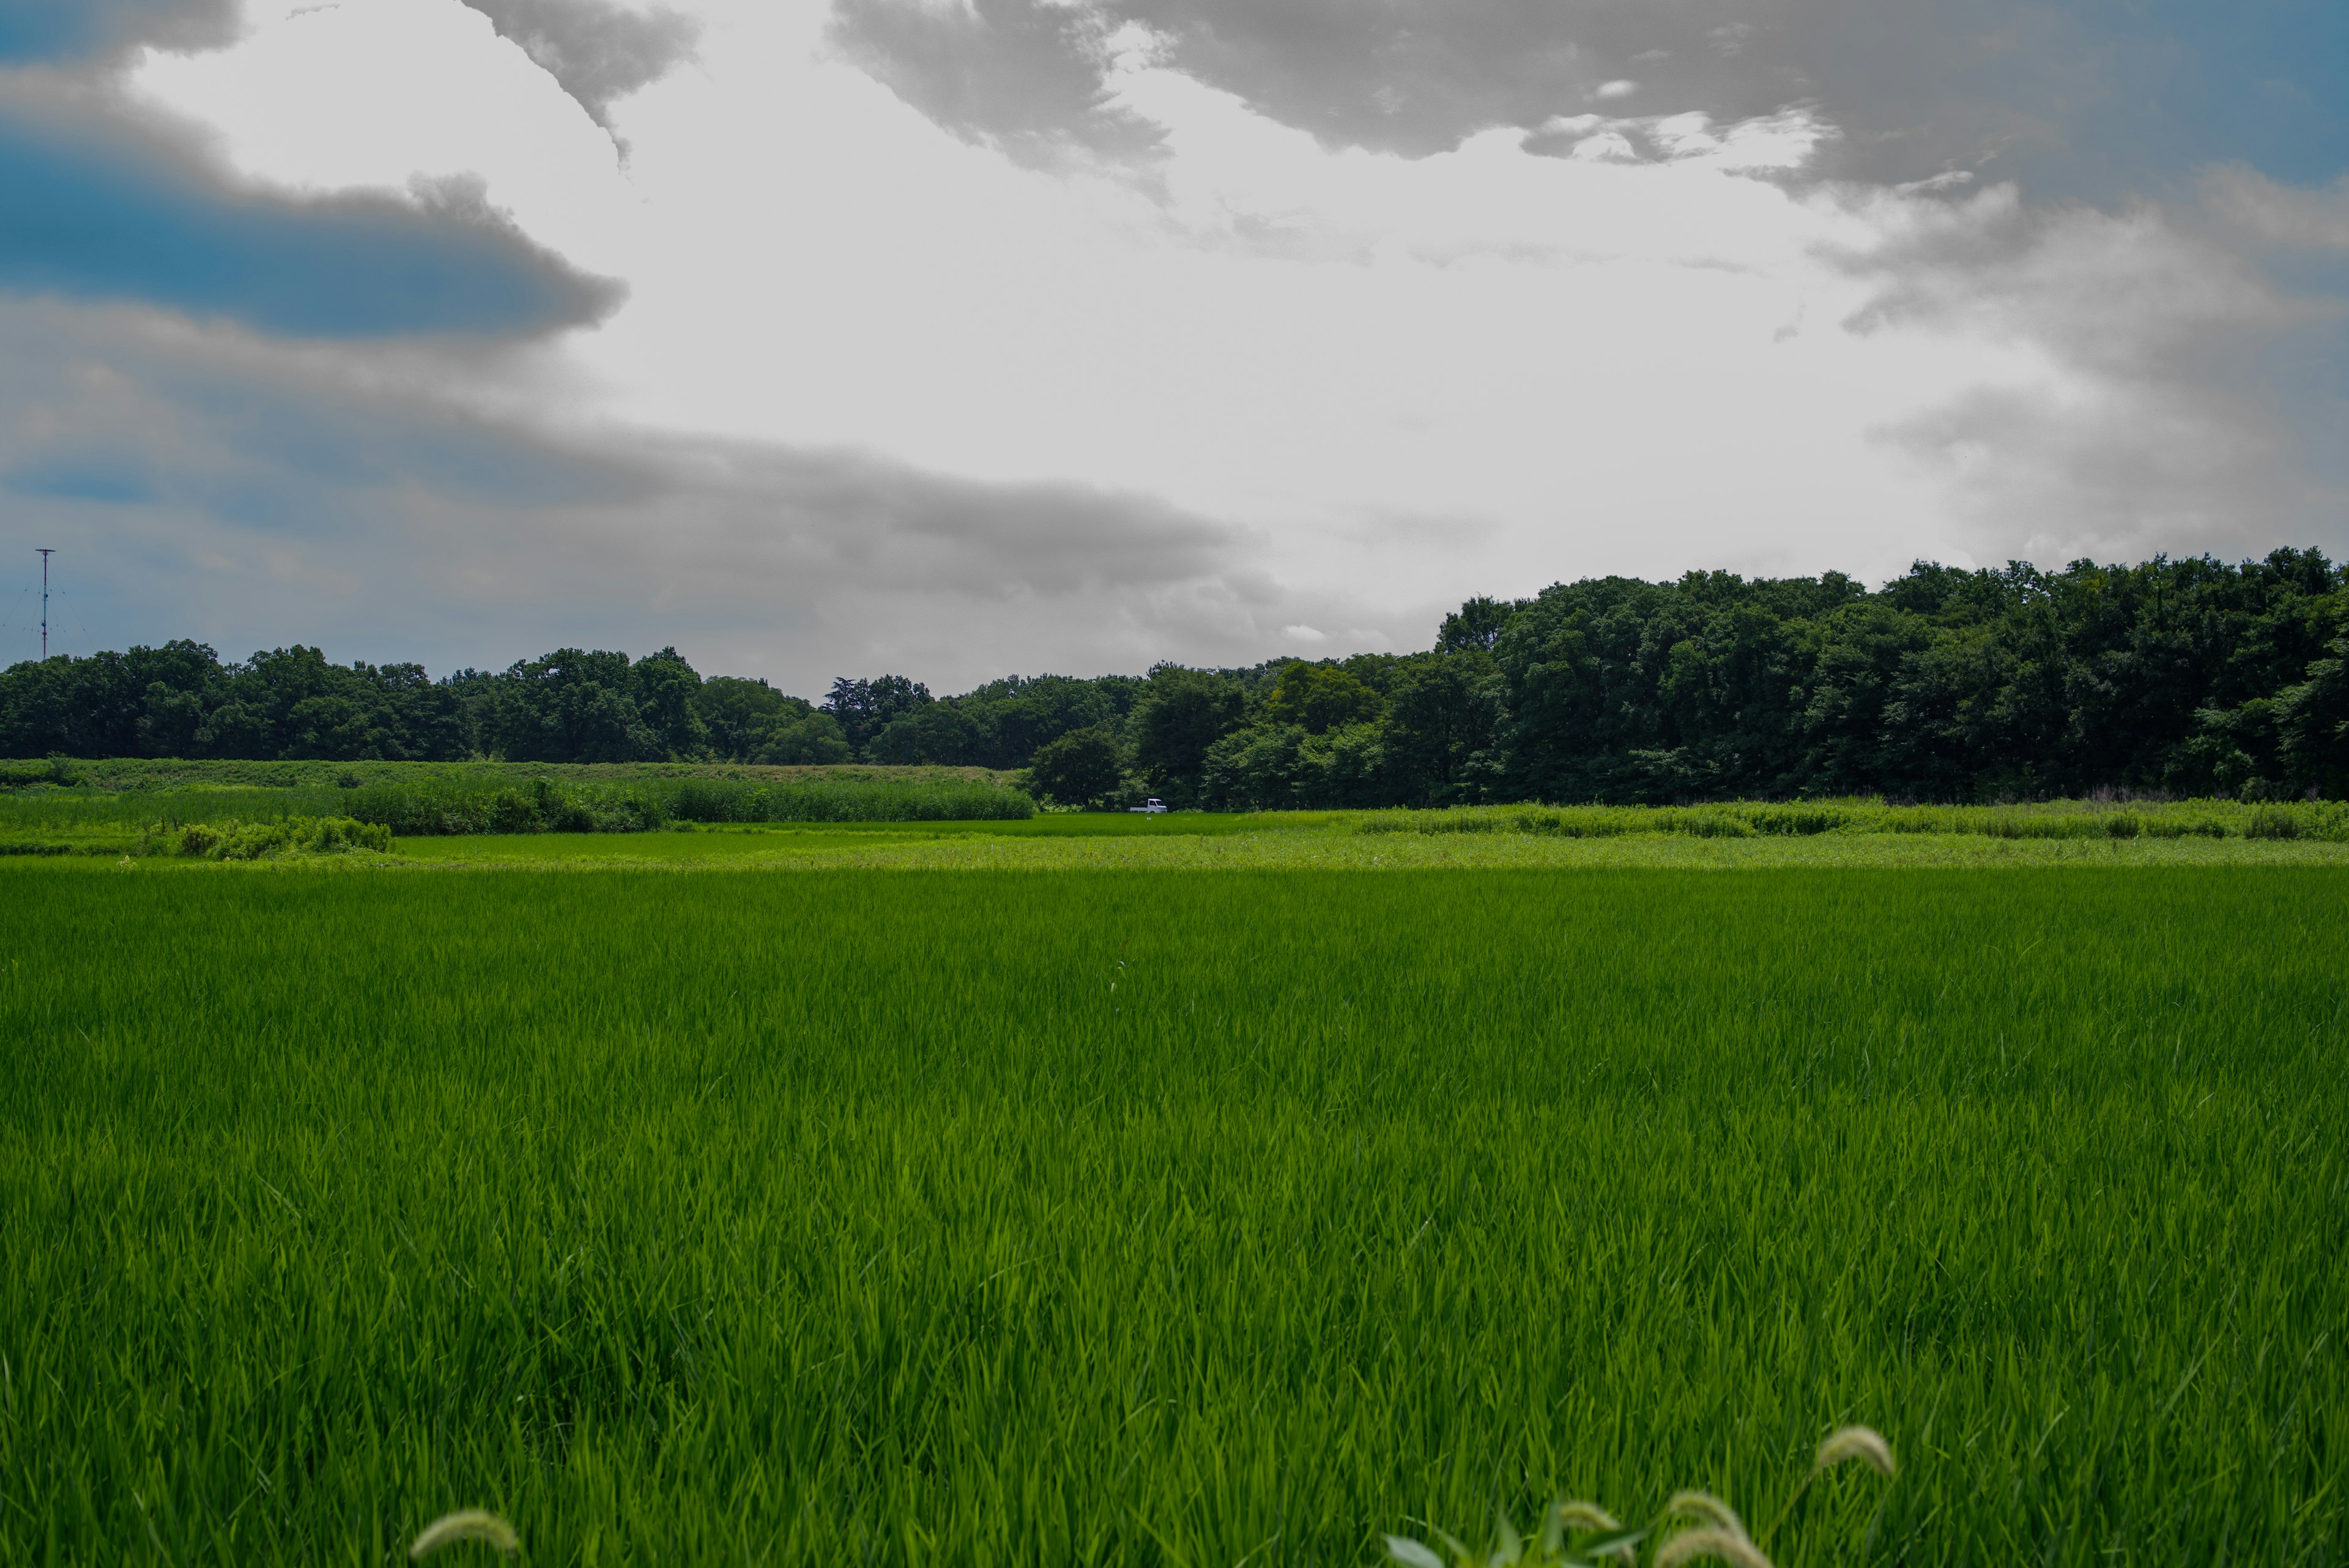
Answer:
(2265, 83)
(2098, 99)
(73, 479)
(41, 31)
(91, 209)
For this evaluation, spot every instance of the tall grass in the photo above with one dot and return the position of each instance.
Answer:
(1011, 1220)
(54, 811)
(458, 802)
(2324, 820)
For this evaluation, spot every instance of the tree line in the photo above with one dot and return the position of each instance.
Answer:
(2185, 677)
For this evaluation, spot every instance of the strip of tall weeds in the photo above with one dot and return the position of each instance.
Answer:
(2326, 821)
(456, 801)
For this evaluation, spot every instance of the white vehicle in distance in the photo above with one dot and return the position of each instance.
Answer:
(1154, 805)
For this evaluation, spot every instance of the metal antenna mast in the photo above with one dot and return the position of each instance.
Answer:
(45, 554)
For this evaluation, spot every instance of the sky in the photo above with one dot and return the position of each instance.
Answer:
(960, 338)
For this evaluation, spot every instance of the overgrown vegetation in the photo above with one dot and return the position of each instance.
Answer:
(2327, 821)
(1691, 1527)
(424, 801)
(1028, 1219)
(2186, 678)
(234, 840)
(456, 805)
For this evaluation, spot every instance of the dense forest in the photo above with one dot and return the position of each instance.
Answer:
(2184, 677)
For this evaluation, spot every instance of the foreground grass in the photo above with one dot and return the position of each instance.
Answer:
(1186, 1219)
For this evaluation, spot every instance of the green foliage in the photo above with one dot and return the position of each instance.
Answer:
(1177, 720)
(1277, 768)
(2179, 678)
(863, 708)
(411, 800)
(1083, 768)
(1004, 723)
(180, 701)
(966, 1218)
(1475, 625)
(458, 805)
(1691, 1526)
(2327, 820)
(841, 800)
(454, 804)
(750, 720)
(234, 840)
(1319, 698)
(1946, 686)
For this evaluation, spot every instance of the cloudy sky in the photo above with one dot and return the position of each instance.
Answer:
(962, 338)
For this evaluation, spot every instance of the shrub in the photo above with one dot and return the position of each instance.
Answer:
(235, 841)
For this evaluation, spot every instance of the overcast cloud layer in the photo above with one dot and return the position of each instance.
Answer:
(968, 338)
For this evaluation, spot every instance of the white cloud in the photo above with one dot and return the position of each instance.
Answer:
(1655, 353)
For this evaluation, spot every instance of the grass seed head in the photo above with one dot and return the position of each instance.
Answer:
(1726, 1545)
(1586, 1517)
(1704, 1505)
(465, 1524)
(1865, 1444)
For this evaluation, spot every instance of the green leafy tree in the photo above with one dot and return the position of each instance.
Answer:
(1180, 714)
(1475, 625)
(740, 716)
(664, 687)
(863, 708)
(1319, 698)
(939, 732)
(1438, 725)
(811, 740)
(1083, 768)
(2313, 722)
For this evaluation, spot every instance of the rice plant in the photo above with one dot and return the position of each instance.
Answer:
(1151, 1218)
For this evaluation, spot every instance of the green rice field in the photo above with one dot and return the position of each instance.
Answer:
(1055, 1210)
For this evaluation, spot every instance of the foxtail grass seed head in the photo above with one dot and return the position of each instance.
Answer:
(1587, 1517)
(1865, 1444)
(465, 1524)
(1704, 1505)
(1726, 1545)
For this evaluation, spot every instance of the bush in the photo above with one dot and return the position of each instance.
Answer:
(234, 840)
(440, 807)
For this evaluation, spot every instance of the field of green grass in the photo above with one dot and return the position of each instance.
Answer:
(1141, 1217)
(507, 817)
(134, 812)
(1060, 844)
(154, 774)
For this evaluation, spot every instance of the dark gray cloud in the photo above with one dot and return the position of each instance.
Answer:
(2090, 99)
(206, 481)
(599, 52)
(1025, 75)
(96, 203)
(68, 31)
